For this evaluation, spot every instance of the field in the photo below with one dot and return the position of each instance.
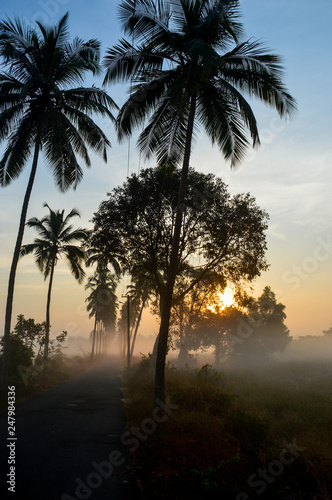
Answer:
(236, 434)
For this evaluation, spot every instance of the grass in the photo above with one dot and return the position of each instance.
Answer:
(232, 425)
(40, 377)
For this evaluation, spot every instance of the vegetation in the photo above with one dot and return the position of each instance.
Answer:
(29, 372)
(243, 334)
(226, 426)
(102, 305)
(247, 430)
(222, 236)
(56, 240)
(41, 111)
(189, 67)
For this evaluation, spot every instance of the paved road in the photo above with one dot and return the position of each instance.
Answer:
(68, 441)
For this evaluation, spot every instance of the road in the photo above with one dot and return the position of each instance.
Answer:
(68, 441)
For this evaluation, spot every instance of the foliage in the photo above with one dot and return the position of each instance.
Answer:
(102, 305)
(188, 55)
(20, 354)
(38, 107)
(32, 334)
(26, 342)
(227, 233)
(328, 332)
(40, 110)
(102, 301)
(230, 424)
(246, 332)
(266, 332)
(189, 68)
(57, 239)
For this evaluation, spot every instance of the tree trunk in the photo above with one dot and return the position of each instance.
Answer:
(138, 323)
(48, 305)
(94, 338)
(183, 350)
(172, 271)
(98, 338)
(128, 332)
(12, 274)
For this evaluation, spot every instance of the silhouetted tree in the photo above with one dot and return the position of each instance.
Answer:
(189, 68)
(40, 111)
(102, 304)
(56, 239)
(263, 330)
(222, 235)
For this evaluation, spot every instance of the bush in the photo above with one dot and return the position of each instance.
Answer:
(19, 355)
(231, 424)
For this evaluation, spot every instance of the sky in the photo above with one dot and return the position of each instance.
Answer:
(290, 175)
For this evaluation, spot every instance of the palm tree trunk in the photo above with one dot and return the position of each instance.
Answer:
(98, 338)
(48, 305)
(137, 325)
(128, 332)
(12, 274)
(94, 338)
(159, 393)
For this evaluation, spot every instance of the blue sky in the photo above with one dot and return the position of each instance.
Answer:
(290, 175)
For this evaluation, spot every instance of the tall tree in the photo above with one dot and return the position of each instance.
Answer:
(138, 295)
(102, 302)
(221, 234)
(188, 67)
(265, 330)
(56, 239)
(40, 110)
(222, 237)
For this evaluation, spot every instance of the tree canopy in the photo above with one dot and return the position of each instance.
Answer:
(56, 239)
(45, 108)
(189, 68)
(246, 334)
(222, 235)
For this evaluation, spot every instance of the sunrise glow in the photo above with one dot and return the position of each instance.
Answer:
(225, 299)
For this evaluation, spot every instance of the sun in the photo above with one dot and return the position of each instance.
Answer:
(224, 299)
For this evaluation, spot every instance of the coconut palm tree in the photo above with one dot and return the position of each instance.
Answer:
(102, 302)
(188, 67)
(56, 240)
(138, 296)
(44, 107)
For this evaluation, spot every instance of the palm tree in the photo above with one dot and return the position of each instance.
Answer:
(41, 111)
(188, 67)
(56, 240)
(102, 302)
(138, 295)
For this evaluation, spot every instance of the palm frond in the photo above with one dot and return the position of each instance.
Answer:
(20, 145)
(123, 61)
(144, 18)
(223, 123)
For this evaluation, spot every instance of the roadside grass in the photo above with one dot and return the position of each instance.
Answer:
(40, 376)
(230, 425)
